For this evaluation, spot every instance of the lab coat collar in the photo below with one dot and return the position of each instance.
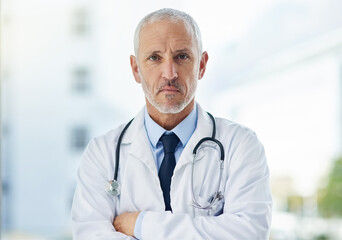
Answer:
(135, 129)
(140, 146)
(136, 135)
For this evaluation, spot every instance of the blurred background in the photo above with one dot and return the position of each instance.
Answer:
(274, 66)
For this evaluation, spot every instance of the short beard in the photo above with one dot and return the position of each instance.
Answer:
(173, 108)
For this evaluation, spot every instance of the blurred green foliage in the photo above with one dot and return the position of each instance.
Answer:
(330, 197)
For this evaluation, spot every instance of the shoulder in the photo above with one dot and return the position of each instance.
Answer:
(236, 135)
(233, 128)
(226, 130)
(100, 150)
(109, 139)
(105, 141)
(243, 148)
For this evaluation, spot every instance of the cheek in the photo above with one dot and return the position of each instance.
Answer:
(149, 83)
(192, 70)
(151, 73)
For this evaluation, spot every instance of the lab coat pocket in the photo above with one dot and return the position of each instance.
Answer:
(215, 210)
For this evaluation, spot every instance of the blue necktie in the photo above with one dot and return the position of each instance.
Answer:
(170, 143)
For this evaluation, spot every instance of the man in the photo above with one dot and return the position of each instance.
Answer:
(166, 193)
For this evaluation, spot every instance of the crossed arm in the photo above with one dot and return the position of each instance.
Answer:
(246, 214)
(125, 223)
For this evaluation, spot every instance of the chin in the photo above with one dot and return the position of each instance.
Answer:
(171, 108)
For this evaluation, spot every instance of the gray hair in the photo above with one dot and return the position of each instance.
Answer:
(171, 15)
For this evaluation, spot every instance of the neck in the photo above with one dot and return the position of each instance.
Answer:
(169, 120)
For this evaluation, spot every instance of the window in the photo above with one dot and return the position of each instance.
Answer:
(81, 80)
(79, 138)
(80, 25)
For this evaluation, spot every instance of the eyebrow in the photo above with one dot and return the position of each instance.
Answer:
(177, 51)
(155, 52)
(183, 50)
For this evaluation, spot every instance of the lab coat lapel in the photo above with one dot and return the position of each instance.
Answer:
(139, 144)
(203, 129)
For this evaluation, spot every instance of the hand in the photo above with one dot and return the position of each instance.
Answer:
(125, 223)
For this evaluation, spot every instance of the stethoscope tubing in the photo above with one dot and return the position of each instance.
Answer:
(117, 152)
(217, 195)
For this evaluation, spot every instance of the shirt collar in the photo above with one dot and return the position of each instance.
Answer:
(183, 130)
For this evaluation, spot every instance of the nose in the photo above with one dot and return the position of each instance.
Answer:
(169, 70)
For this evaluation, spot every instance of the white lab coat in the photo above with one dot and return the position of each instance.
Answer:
(244, 213)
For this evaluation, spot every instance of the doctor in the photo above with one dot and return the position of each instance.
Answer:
(166, 192)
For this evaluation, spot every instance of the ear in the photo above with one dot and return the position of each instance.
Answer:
(203, 65)
(135, 69)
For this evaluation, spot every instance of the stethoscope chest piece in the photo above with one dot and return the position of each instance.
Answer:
(113, 188)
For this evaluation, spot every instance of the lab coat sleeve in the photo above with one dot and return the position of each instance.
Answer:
(247, 210)
(93, 208)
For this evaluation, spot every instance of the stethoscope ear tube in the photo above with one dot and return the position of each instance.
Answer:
(217, 195)
(214, 125)
(213, 140)
(113, 187)
(117, 152)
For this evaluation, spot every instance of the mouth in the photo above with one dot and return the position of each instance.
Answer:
(169, 90)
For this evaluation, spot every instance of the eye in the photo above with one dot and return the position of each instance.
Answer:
(182, 56)
(153, 58)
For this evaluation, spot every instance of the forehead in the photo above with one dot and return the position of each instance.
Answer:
(159, 35)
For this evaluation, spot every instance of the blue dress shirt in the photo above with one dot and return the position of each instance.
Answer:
(183, 130)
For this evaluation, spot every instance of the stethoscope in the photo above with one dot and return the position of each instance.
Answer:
(114, 188)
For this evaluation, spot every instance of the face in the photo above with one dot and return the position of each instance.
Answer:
(168, 66)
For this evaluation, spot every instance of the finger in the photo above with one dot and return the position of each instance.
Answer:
(116, 223)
